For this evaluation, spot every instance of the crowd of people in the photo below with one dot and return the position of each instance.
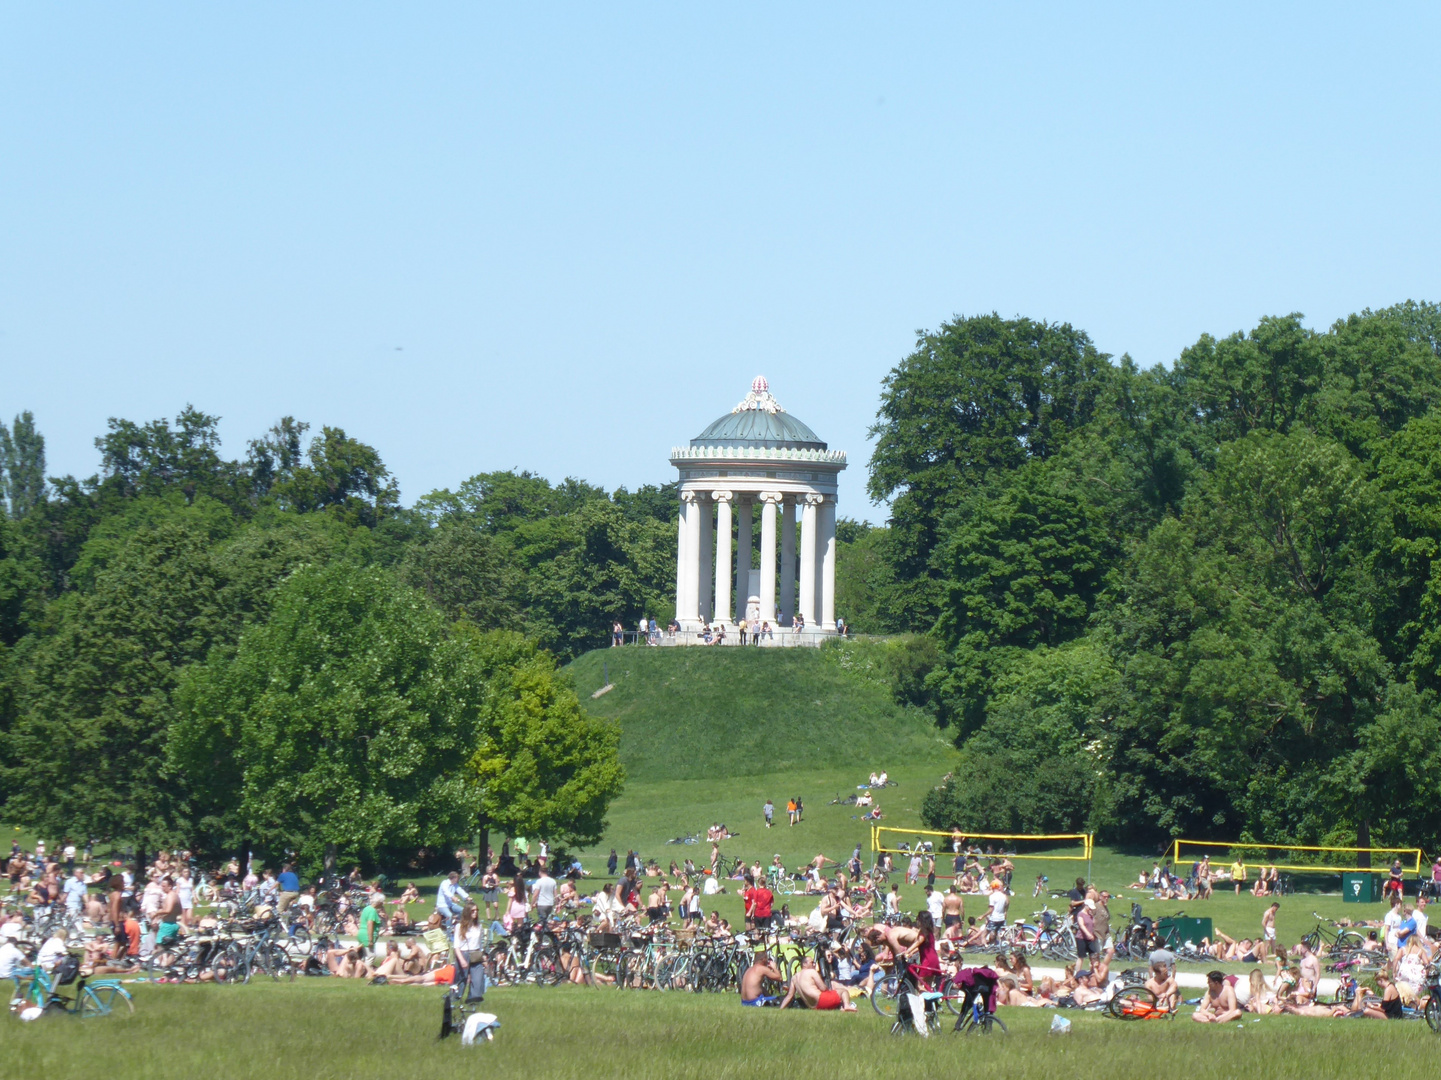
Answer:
(877, 920)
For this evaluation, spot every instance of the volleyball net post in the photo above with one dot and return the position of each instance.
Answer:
(1298, 858)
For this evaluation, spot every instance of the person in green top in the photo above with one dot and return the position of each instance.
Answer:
(369, 923)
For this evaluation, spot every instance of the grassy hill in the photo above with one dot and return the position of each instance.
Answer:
(692, 714)
(707, 735)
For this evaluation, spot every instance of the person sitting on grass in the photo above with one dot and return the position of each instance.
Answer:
(1162, 980)
(1218, 1004)
(753, 979)
(812, 989)
(1262, 1000)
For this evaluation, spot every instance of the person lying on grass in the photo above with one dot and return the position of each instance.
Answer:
(1229, 949)
(811, 989)
(347, 963)
(1218, 1004)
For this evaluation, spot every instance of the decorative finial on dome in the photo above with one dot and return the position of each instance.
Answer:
(759, 398)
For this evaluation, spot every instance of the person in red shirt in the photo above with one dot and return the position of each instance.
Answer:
(758, 900)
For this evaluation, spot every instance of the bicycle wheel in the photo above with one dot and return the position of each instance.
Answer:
(953, 996)
(225, 967)
(1132, 1003)
(1433, 1012)
(886, 996)
(1349, 941)
(114, 998)
(88, 1004)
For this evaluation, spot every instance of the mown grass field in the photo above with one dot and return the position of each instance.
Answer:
(320, 1029)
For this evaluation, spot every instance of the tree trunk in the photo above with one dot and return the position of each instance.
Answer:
(330, 856)
(482, 846)
(1363, 839)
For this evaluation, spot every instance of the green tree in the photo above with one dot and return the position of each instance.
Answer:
(469, 574)
(980, 395)
(544, 766)
(587, 568)
(22, 465)
(355, 722)
(86, 752)
(341, 475)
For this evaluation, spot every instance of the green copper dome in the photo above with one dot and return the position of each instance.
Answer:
(759, 421)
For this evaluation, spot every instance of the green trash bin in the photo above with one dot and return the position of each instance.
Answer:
(1176, 932)
(1360, 888)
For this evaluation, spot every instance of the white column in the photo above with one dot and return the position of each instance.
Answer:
(691, 586)
(828, 565)
(722, 555)
(809, 516)
(768, 555)
(743, 557)
(788, 561)
(680, 562)
(706, 542)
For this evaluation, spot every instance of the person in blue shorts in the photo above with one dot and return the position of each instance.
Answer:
(753, 982)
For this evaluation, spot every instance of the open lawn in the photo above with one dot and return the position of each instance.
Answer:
(318, 1029)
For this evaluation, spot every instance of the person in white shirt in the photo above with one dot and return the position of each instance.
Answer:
(893, 903)
(542, 895)
(935, 902)
(999, 901)
(74, 891)
(604, 908)
(11, 958)
(53, 951)
(1392, 922)
(152, 896)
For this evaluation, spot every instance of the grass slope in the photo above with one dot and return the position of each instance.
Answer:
(708, 735)
(695, 714)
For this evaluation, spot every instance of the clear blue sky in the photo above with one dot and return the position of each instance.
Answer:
(565, 238)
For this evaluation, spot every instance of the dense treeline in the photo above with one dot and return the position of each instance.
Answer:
(271, 652)
(1198, 600)
(1193, 600)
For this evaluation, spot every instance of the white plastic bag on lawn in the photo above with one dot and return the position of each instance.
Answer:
(479, 1026)
(1060, 1025)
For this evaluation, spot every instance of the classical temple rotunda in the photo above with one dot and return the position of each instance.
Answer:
(758, 459)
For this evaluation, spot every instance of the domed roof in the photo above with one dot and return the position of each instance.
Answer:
(759, 421)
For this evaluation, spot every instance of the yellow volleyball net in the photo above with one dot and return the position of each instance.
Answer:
(1296, 858)
(1054, 847)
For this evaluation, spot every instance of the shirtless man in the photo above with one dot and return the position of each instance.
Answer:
(1268, 930)
(901, 940)
(1162, 981)
(953, 908)
(1310, 966)
(753, 981)
(167, 935)
(811, 988)
(1218, 1005)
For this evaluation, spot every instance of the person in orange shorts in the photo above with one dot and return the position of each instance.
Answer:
(811, 988)
(441, 976)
